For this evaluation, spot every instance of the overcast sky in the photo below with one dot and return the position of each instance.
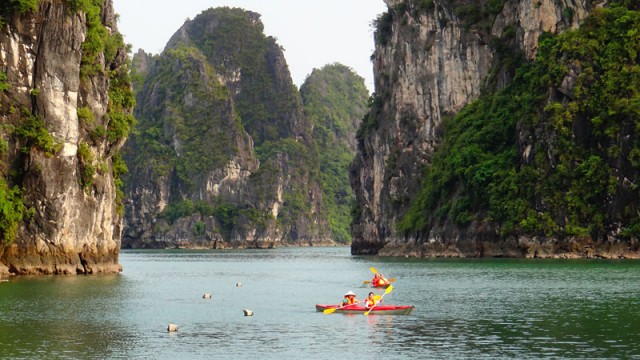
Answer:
(313, 33)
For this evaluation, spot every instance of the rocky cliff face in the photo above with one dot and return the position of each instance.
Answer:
(335, 99)
(432, 58)
(56, 95)
(224, 155)
(183, 93)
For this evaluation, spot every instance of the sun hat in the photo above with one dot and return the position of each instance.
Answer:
(350, 293)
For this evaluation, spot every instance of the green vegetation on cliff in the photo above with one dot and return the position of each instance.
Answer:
(29, 131)
(267, 102)
(559, 162)
(33, 132)
(302, 169)
(101, 43)
(184, 117)
(12, 211)
(4, 83)
(335, 99)
(237, 47)
(478, 15)
(255, 91)
(219, 98)
(12, 208)
(10, 7)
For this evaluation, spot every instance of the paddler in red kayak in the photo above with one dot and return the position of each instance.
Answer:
(349, 299)
(370, 301)
(379, 280)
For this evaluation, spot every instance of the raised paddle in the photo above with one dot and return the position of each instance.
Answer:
(374, 305)
(373, 270)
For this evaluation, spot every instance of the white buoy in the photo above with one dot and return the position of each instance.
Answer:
(206, 296)
(238, 284)
(172, 328)
(248, 312)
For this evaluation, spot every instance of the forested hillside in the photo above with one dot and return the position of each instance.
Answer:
(335, 99)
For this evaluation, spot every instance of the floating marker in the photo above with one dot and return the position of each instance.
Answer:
(238, 284)
(206, 296)
(248, 312)
(172, 328)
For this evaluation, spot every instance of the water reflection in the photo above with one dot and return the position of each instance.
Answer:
(59, 317)
(464, 309)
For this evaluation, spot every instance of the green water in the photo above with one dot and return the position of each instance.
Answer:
(465, 309)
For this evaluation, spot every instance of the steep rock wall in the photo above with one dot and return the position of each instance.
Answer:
(431, 59)
(184, 99)
(72, 225)
(221, 77)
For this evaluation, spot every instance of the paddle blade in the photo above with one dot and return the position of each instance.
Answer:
(373, 270)
(374, 305)
(366, 282)
(329, 311)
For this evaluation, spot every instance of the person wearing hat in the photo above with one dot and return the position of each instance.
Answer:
(349, 298)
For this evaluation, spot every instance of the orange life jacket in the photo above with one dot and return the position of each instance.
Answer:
(378, 281)
(349, 300)
(369, 302)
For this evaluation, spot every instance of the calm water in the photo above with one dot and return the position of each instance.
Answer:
(465, 309)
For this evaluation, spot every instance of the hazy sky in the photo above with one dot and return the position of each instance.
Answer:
(313, 32)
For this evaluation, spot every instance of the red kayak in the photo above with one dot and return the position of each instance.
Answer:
(381, 286)
(377, 310)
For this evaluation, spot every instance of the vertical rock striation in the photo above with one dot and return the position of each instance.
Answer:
(49, 112)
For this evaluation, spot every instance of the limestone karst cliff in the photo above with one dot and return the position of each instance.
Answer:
(224, 155)
(65, 109)
(432, 59)
(335, 99)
